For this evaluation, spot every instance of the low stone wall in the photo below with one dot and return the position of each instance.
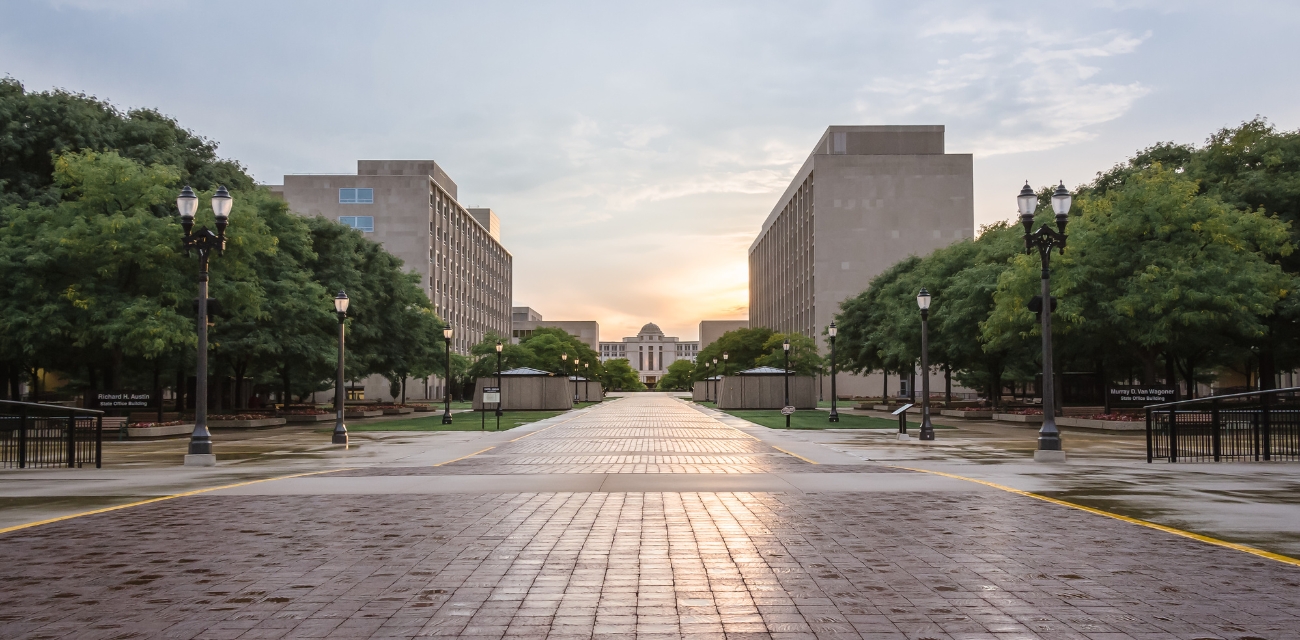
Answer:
(1108, 425)
(967, 415)
(160, 432)
(309, 418)
(1016, 417)
(245, 424)
(397, 411)
(355, 414)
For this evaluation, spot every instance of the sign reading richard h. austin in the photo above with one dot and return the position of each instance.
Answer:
(124, 399)
(1140, 395)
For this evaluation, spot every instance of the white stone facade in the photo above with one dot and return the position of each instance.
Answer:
(650, 352)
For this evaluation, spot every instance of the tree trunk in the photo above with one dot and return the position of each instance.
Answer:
(117, 370)
(947, 386)
(1148, 358)
(403, 389)
(240, 401)
(884, 390)
(180, 390)
(284, 384)
(1171, 377)
(1267, 369)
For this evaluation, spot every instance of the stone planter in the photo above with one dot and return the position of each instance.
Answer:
(423, 408)
(885, 407)
(1108, 425)
(1015, 417)
(357, 415)
(261, 423)
(967, 414)
(159, 432)
(321, 417)
(397, 411)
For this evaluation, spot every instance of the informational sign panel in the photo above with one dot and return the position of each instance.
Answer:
(491, 394)
(902, 409)
(1121, 395)
(787, 411)
(123, 399)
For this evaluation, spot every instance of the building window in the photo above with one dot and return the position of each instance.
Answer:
(356, 196)
(360, 223)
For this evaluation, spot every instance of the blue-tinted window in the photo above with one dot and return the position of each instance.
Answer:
(360, 223)
(356, 196)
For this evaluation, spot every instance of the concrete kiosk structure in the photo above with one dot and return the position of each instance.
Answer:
(764, 388)
(527, 389)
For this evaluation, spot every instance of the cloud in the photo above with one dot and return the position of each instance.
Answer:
(1021, 87)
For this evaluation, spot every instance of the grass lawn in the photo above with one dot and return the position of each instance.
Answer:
(461, 421)
(810, 419)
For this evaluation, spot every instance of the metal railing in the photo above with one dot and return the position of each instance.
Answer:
(1258, 426)
(43, 435)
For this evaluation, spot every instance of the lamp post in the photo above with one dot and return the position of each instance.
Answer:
(1046, 239)
(715, 382)
(586, 380)
(446, 399)
(340, 429)
(204, 241)
(499, 384)
(564, 364)
(923, 301)
(832, 330)
(576, 362)
(785, 350)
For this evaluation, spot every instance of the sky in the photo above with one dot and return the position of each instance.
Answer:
(632, 150)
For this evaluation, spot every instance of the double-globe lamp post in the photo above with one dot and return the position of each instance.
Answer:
(724, 372)
(576, 362)
(785, 408)
(340, 397)
(498, 384)
(446, 387)
(832, 330)
(204, 241)
(1046, 239)
(715, 381)
(923, 301)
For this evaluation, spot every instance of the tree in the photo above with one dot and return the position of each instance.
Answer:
(512, 356)
(804, 359)
(549, 343)
(679, 376)
(743, 348)
(617, 374)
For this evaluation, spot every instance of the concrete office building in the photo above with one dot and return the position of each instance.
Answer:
(711, 330)
(525, 320)
(866, 198)
(411, 208)
(649, 352)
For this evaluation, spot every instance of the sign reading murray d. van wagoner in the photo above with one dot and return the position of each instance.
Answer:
(1121, 395)
(124, 399)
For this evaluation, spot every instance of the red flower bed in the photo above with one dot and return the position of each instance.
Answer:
(1116, 417)
(240, 416)
(1022, 412)
(304, 412)
(143, 425)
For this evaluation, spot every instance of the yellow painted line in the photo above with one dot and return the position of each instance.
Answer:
(795, 455)
(1159, 527)
(463, 457)
(160, 499)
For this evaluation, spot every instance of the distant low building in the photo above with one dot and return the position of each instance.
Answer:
(711, 330)
(650, 352)
(525, 320)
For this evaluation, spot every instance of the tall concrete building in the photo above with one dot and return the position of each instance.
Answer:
(649, 352)
(711, 330)
(525, 320)
(410, 207)
(866, 197)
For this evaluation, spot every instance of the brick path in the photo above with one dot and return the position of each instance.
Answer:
(893, 564)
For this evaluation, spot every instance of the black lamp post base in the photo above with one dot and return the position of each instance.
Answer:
(340, 437)
(200, 447)
(927, 431)
(446, 418)
(835, 416)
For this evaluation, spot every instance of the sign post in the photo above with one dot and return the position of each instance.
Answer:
(493, 395)
(901, 412)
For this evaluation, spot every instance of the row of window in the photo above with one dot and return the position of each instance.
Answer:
(356, 196)
(360, 223)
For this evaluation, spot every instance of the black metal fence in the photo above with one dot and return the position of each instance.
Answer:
(44, 435)
(1260, 425)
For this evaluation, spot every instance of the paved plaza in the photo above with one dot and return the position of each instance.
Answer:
(641, 517)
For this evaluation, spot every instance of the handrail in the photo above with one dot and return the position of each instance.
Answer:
(51, 407)
(1231, 395)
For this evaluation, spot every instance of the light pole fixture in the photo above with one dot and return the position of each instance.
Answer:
(832, 330)
(706, 380)
(499, 391)
(204, 241)
(576, 362)
(586, 380)
(1046, 239)
(785, 408)
(923, 301)
(446, 396)
(340, 397)
(715, 382)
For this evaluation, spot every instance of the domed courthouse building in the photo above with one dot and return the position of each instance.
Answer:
(650, 352)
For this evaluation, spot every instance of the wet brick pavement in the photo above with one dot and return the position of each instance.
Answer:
(891, 564)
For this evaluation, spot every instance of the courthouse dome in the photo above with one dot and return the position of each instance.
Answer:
(651, 328)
